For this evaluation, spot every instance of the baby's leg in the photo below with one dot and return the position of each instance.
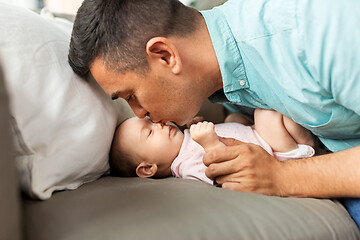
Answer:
(300, 134)
(204, 134)
(280, 132)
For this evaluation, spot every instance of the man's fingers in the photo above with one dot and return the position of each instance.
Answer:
(221, 154)
(226, 168)
(235, 186)
(233, 177)
(230, 141)
(243, 186)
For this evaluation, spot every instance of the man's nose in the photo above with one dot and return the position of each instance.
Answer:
(156, 120)
(139, 111)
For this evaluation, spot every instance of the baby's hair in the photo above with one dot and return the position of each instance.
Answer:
(121, 162)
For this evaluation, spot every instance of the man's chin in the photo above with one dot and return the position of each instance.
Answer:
(179, 122)
(183, 122)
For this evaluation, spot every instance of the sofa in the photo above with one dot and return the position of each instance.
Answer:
(56, 131)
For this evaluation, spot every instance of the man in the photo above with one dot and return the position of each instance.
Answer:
(296, 57)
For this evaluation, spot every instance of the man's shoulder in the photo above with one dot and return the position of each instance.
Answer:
(254, 19)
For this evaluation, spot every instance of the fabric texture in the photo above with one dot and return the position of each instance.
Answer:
(272, 55)
(62, 125)
(189, 162)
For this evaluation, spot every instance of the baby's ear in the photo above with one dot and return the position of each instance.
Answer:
(146, 170)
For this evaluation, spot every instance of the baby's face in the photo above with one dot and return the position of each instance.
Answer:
(155, 142)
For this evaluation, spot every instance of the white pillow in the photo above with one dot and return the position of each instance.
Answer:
(63, 125)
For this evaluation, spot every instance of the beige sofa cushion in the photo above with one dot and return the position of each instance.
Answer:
(182, 209)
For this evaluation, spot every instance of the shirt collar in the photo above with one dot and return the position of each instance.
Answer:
(227, 51)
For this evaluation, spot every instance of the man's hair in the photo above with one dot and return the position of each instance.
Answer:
(121, 161)
(117, 32)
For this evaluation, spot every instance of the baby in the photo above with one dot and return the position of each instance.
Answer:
(146, 149)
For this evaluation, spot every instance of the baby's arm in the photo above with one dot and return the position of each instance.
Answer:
(204, 134)
(280, 132)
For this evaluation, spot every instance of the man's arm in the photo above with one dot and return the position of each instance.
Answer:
(329, 175)
(249, 168)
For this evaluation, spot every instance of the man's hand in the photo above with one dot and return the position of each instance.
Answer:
(204, 134)
(248, 168)
(243, 167)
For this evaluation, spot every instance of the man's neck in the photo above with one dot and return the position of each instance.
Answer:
(210, 67)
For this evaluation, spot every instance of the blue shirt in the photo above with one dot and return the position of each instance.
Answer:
(298, 57)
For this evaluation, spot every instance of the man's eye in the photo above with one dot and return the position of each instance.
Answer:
(129, 98)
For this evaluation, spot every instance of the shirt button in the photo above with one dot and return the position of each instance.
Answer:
(242, 82)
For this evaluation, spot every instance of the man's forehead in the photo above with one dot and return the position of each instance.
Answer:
(98, 68)
(114, 84)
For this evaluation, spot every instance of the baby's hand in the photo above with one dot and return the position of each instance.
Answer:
(204, 134)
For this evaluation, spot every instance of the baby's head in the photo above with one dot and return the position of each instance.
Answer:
(145, 149)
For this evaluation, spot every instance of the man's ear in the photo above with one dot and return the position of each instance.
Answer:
(160, 50)
(146, 170)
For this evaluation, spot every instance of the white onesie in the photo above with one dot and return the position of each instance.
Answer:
(189, 163)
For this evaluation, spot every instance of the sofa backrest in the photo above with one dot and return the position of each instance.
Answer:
(10, 226)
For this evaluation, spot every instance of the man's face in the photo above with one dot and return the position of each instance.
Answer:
(162, 97)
